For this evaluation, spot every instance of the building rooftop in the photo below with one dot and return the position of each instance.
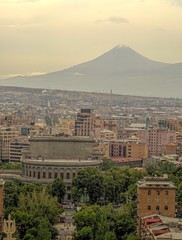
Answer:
(162, 227)
(148, 182)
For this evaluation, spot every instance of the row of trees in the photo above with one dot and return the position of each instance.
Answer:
(116, 185)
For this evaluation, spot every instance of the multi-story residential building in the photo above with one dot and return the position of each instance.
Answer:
(67, 126)
(84, 123)
(169, 149)
(103, 148)
(155, 138)
(16, 147)
(155, 195)
(108, 135)
(128, 149)
(7, 134)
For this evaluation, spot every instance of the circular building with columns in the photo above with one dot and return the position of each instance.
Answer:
(58, 157)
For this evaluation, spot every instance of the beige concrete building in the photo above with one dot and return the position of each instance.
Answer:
(16, 147)
(40, 170)
(7, 134)
(128, 149)
(52, 147)
(58, 157)
(155, 195)
(84, 123)
(108, 135)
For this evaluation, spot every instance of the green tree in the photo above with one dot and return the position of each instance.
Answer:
(132, 236)
(11, 195)
(57, 188)
(88, 181)
(107, 164)
(35, 215)
(43, 230)
(100, 220)
(84, 234)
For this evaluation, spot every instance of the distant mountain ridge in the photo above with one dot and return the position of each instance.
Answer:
(121, 69)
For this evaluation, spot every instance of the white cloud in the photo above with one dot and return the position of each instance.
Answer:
(4, 76)
(114, 19)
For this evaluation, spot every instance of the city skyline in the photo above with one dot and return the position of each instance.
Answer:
(40, 36)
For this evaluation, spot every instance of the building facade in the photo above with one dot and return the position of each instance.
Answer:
(7, 134)
(44, 171)
(84, 123)
(155, 195)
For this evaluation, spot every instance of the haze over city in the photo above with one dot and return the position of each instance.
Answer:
(41, 36)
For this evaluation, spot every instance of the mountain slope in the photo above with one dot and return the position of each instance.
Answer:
(121, 69)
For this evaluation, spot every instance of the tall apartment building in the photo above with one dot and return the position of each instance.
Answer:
(155, 195)
(16, 147)
(155, 138)
(7, 134)
(84, 123)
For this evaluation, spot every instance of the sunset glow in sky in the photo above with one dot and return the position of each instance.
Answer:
(39, 36)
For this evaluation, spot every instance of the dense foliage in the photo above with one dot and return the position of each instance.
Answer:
(34, 209)
(10, 166)
(112, 186)
(96, 222)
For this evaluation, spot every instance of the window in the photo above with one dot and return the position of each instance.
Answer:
(166, 208)
(50, 175)
(158, 192)
(149, 192)
(157, 200)
(166, 192)
(34, 174)
(149, 200)
(149, 207)
(62, 176)
(67, 175)
(38, 176)
(157, 207)
(44, 174)
(166, 200)
(55, 175)
(74, 174)
(68, 188)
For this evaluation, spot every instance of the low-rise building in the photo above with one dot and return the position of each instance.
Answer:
(158, 227)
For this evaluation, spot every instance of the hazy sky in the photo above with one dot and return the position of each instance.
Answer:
(49, 35)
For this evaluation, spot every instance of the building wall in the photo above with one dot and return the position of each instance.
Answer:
(7, 134)
(61, 147)
(128, 149)
(84, 123)
(149, 197)
(155, 138)
(44, 171)
(156, 197)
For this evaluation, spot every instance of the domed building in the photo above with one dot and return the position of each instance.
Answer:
(58, 157)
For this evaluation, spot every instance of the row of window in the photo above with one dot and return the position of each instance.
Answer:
(49, 175)
(166, 200)
(157, 207)
(157, 192)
